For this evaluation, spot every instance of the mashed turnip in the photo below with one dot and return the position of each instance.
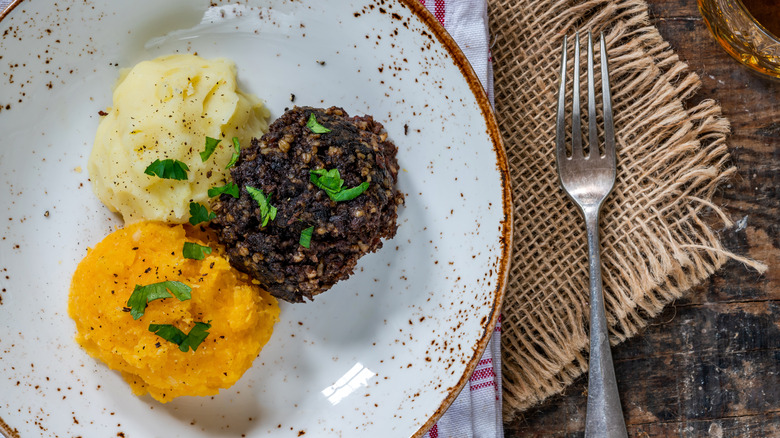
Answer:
(240, 314)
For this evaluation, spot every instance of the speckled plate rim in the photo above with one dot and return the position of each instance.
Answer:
(444, 38)
(8, 8)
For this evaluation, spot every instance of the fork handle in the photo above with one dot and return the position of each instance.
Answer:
(604, 417)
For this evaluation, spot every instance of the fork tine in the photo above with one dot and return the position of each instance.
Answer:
(560, 126)
(593, 140)
(576, 127)
(606, 96)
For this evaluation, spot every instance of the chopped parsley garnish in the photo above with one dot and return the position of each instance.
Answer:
(193, 339)
(331, 182)
(199, 213)
(267, 211)
(350, 194)
(236, 153)
(305, 239)
(328, 180)
(168, 169)
(142, 295)
(228, 189)
(315, 126)
(211, 146)
(194, 251)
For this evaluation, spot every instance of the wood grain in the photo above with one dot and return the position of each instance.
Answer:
(709, 365)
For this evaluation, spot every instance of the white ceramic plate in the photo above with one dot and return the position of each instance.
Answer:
(381, 354)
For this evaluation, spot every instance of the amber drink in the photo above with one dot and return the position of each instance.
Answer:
(749, 30)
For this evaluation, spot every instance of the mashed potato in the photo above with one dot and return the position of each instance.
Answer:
(164, 109)
(241, 315)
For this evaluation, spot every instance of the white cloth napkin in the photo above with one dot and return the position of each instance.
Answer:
(476, 413)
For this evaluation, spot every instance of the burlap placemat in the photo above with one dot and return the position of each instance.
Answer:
(671, 157)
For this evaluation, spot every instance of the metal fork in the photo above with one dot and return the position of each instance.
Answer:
(588, 180)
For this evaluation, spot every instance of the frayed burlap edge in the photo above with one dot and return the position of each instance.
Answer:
(671, 159)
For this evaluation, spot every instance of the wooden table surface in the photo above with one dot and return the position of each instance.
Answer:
(708, 366)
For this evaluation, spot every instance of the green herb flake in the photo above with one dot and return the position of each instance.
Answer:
(331, 182)
(315, 126)
(199, 213)
(211, 146)
(168, 169)
(236, 153)
(228, 189)
(267, 211)
(305, 239)
(193, 339)
(328, 180)
(194, 251)
(142, 295)
(350, 194)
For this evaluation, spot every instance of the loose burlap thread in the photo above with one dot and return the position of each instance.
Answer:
(671, 158)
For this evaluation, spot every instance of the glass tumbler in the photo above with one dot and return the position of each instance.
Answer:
(742, 36)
